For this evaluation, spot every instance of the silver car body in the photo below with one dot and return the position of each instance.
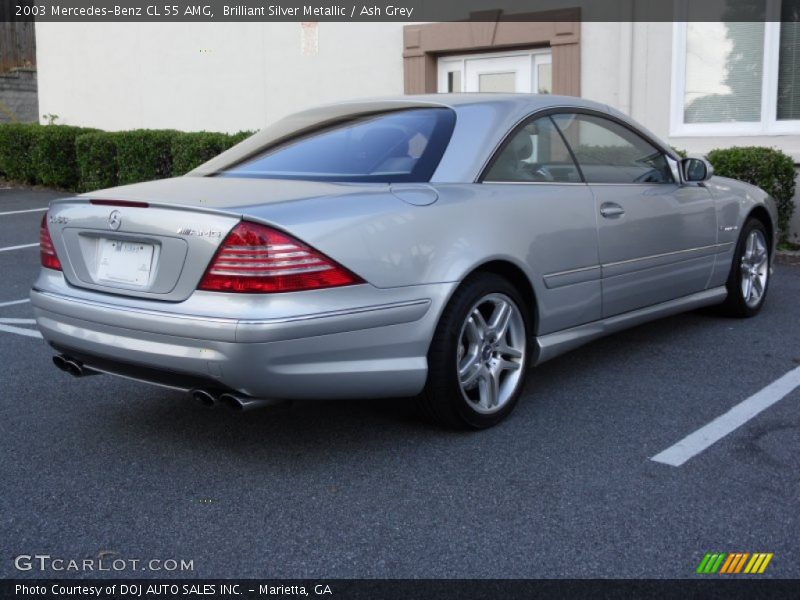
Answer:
(412, 244)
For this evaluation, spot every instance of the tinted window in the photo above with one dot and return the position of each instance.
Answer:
(535, 153)
(397, 146)
(607, 152)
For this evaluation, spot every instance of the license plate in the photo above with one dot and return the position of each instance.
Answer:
(125, 262)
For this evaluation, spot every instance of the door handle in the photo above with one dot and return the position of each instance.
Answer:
(611, 210)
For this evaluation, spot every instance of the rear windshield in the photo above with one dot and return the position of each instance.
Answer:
(397, 146)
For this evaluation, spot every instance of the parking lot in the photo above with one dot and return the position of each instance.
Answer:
(102, 466)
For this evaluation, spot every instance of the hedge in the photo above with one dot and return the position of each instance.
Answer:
(192, 149)
(53, 156)
(16, 144)
(96, 155)
(768, 168)
(144, 154)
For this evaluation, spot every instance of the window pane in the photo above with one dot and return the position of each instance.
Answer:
(535, 153)
(724, 68)
(789, 62)
(545, 77)
(397, 146)
(454, 81)
(497, 82)
(610, 153)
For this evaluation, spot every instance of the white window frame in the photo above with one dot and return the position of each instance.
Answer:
(769, 123)
(537, 56)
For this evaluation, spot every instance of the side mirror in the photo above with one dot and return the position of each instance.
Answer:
(695, 170)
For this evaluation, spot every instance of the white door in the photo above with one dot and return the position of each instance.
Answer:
(522, 72)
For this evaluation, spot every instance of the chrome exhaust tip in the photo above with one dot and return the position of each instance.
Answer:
(72, 366)
(244, 403)
(60, 362)
(204, 397)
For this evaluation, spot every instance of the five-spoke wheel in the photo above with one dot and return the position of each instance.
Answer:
(479, 354)
(491, 352)
(755, 268)
(749, 276)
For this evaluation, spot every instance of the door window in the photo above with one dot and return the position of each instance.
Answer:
(608, 152)
(536, 153)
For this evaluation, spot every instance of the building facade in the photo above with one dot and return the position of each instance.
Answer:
(697, 85)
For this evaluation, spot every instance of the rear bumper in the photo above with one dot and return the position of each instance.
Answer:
(367, 342)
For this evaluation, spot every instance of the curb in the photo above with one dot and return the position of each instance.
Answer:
(787, 257)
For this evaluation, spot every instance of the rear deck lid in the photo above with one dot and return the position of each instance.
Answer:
(134, 249)
(155, 239)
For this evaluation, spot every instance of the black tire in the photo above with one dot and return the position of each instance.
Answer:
(736, 305)
(442, 399)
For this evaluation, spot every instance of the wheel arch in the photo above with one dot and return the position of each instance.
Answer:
(517, 277)
(762, 214)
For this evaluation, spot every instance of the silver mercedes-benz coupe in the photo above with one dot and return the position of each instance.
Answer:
(429, 246)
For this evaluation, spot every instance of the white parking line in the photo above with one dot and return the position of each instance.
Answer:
(19, 212)
(18, 321)
(694, 443)
(20, 331)
(13, 302)
(7, 248)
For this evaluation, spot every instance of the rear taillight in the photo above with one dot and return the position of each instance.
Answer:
(46, 248)
(257, 259)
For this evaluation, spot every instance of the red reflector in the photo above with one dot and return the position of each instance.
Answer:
(128, 203)
(258, 259)
(46, 249)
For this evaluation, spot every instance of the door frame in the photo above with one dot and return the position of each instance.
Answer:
(560, 30)
(461, 59)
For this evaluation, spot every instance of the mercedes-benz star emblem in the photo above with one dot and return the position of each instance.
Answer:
(114, 220)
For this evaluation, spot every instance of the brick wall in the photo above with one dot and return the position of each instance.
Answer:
(19, 100)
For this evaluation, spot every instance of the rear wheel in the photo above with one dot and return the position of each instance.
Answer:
(479, 354)
(749, 277)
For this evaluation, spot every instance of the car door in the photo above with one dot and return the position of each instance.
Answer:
(539, 182)
(656, 237)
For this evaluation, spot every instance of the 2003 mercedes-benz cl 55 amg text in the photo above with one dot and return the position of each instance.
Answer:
(429, 246)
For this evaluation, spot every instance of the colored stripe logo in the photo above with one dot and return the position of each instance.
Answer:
(733, 563)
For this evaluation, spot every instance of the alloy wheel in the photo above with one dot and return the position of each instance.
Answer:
(755, 268)
(491, 353)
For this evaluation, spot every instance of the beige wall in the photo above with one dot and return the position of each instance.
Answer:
(218, 77)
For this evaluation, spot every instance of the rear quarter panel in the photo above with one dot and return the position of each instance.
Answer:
(391, 243)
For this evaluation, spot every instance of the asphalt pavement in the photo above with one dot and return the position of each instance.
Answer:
(566, 487)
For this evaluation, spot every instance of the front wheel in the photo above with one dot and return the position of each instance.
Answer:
(479, 354)
(749, 277)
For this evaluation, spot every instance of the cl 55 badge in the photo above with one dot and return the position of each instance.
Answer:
(59, 220)
(209, 233)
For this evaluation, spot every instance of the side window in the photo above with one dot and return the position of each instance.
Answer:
(607, 152)
(535, 153)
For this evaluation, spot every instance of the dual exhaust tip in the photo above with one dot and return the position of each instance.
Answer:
(205, 397)
(233, 401)
(72, 366)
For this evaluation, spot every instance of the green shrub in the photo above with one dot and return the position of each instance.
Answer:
(240, 137)
(144, 154)
(190, 150)
(679, 152)
(96, 154)
(16, 145)
(768, 168)
(53, 156)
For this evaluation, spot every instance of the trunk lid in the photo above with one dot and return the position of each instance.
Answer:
(161, 248)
